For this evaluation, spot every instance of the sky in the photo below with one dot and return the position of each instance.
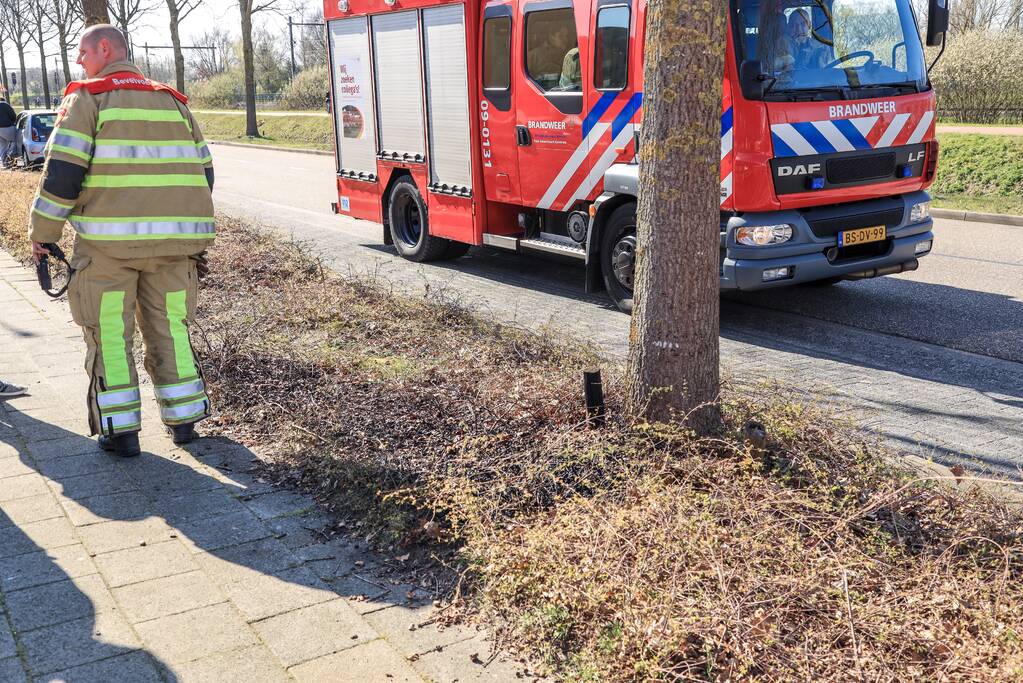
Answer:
(153, 29)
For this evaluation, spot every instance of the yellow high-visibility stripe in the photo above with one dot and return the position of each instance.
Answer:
(147, 115)
(136, 180)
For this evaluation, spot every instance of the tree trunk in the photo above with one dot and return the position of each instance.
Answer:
(674, 343)
(179, 58)
(3, 70)
(42, 64)
(95, 12)
(251, 127)
(24, 78)
(63, 57)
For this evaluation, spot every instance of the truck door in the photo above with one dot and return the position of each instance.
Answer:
(497, 104)
(548, 73)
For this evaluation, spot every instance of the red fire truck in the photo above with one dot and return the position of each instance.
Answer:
(514, 124)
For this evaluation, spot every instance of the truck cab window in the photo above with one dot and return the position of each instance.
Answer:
(611, 49)
(497, 53)
(552, 50)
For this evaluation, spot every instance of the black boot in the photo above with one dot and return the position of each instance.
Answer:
(122, 445)
(182, 434)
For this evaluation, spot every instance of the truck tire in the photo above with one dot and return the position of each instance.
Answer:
(618, 255)
(410, 228)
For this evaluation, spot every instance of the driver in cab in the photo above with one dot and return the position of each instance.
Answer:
(807, 51)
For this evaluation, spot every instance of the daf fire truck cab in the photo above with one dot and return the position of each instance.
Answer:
(515, 124)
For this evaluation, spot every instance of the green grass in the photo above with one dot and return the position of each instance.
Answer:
(976, 173)
(980, 173)
(303, 132)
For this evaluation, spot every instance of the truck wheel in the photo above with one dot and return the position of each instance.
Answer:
(406, 212)
(618, 255)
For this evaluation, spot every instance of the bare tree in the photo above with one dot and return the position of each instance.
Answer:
(247, 8)
(42, 33)
(674, 354)
(3, 62)
(178, 11)
(127, 14)
(209, 63)
(16, 24)
(66, 17)
(95, 12)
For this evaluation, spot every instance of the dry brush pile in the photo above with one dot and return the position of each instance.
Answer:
(621, 553)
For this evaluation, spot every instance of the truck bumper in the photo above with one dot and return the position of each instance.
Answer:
(812, 255)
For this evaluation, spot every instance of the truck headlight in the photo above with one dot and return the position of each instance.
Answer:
(920, 212)
(763, 235)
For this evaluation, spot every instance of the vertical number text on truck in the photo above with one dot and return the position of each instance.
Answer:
(515, 124)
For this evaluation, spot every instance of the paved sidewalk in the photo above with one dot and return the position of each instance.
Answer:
(179, 565)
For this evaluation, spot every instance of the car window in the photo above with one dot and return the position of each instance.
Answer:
(43, 124)
(552, 50)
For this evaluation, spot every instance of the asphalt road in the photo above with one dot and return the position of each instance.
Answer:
(901, 350)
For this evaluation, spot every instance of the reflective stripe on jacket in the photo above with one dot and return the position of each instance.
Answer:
(144, 191)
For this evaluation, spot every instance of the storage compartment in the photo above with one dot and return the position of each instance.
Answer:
(352, 99)
(399, 86)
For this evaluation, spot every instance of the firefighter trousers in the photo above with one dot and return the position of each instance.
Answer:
(107, 296)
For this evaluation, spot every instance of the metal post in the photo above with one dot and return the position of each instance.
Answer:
(291, 44)
(56, 75)
(593, 390)
(149, 69)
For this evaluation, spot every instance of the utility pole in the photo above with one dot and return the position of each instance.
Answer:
(56, 75)
(291, 39)
(149, 69)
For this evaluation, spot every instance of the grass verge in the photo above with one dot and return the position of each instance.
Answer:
(620, 553)
(301, 132)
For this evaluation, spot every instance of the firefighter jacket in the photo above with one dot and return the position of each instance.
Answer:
(127, 166)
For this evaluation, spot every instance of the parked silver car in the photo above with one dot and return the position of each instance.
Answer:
(34, 128)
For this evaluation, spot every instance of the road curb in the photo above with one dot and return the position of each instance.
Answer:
(272, 148)
(977, 217)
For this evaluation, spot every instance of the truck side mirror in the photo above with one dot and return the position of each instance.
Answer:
(937, 22)
(751, 78)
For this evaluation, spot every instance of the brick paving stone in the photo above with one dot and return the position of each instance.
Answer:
(91, 462)
(98, 509)
(13, 466)
(22, 486)
(457, 662)
(106, 482)
(11, 671)
(7, 645)
(55, 603)
(136, 667)
(78, 642)
(196, 634)
(134, 565)
(394, 624)
(315, 631)
(27, 538)
(166, 596)
(178, 510)
(251, 665)
(107, 537)
(28, 510)
(373, 662)
(279, 503)
(271, 594)
(36, 569)
(247, 561)
(220, 532)
(63, 448)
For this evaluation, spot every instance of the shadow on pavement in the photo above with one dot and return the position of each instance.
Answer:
(256, 545)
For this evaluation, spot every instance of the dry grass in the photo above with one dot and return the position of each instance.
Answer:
(624, 553)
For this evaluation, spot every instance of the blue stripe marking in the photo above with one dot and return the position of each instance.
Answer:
(726, 122)
(625, 117)
(814, 137)
(781, 149)
(597, 111)
(855, 138)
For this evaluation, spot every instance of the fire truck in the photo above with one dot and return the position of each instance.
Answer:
(515, 124)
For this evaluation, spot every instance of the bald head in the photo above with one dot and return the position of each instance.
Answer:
(100, 46)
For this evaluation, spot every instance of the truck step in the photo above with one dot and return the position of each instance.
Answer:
(546, 243)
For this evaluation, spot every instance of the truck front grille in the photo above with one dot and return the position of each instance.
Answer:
(857, 169)
(829, 227)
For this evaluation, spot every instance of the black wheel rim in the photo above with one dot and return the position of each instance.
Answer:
(623, 260)
(409, 226)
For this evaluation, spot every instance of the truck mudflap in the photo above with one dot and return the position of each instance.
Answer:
(813, 252)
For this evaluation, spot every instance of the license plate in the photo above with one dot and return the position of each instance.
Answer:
(848, 238)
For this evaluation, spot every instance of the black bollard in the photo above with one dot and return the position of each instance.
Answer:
(593, 389)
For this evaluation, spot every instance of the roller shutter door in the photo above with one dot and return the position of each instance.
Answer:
(399, 85)
(447, 98)
(352, 98)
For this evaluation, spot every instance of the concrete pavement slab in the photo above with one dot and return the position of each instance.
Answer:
(12, 671)
(134, 565)
(107, 537)
(27, 538)
(167, 596)
(77, 642)
(28, 510)
(136, 667)
(8, 648)
(56, 603)
(268, 595)
(42, 567)
(196, 634)
(241, 666)
(223, 531)
(313, 632)
(247, 561)
(374, 662)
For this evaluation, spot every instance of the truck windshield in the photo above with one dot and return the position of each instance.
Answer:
(815, 45)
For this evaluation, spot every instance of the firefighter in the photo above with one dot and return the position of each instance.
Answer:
(127, 166)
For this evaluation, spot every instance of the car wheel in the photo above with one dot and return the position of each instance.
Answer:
(410, 225)
(618, 255)
(24, 159)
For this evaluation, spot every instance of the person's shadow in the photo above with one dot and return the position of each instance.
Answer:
(226, 520)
